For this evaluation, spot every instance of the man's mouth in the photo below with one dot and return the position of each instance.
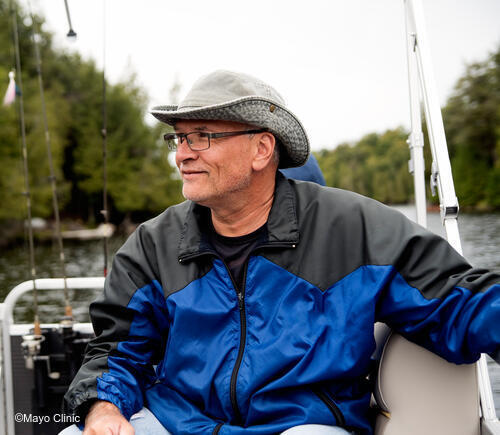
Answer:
(191, 173)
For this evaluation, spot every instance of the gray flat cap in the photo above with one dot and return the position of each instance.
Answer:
(230, 96)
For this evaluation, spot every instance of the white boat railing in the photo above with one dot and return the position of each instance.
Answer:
(423, 90)
(6, 318)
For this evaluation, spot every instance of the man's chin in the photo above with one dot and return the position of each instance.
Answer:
(197, 197)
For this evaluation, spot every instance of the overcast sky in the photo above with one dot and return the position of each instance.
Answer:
(340, 64)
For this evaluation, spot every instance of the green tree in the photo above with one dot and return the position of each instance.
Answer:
(472, 122)
(375, 166)
(11, 177)
(140, 179)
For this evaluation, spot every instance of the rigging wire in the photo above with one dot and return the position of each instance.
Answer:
(104, 133)
(36, 320)
(55, 204)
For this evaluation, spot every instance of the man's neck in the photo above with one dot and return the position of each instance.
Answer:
(243, 216)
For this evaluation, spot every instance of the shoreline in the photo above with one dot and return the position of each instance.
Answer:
(13, 233)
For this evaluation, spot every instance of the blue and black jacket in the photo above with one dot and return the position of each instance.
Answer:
(293, 346)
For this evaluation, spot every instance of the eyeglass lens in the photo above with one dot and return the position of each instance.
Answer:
(197, 141)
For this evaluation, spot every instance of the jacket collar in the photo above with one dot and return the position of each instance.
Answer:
(282, 224)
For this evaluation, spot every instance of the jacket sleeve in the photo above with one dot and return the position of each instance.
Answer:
(130, 321)
(432, 295)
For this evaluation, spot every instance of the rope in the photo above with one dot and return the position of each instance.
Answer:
(36, 320)
(55, 204)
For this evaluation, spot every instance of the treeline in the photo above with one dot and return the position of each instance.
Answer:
(377, 165)
(141, 182)
(472, 123)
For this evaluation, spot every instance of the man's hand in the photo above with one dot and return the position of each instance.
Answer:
(104, 418)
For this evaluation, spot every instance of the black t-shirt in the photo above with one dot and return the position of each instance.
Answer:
(236, 250)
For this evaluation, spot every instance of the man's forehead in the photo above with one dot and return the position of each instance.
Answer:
(183, 125)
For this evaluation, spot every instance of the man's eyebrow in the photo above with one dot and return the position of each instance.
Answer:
(202, 128)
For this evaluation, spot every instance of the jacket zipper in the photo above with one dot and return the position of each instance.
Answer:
(332, 406)
(243, 337)
(243, 328)
(217, 429)
(243, 323)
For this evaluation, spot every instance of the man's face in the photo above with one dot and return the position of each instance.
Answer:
(212, 175)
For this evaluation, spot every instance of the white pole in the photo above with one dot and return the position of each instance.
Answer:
(435, 127)
(442, 169)
(416, 139)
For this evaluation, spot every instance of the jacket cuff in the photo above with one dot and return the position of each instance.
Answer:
(110, 393)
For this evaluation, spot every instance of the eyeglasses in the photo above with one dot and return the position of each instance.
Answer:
(200, 140)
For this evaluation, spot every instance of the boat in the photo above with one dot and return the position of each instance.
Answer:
(102, 230)
(416, 392)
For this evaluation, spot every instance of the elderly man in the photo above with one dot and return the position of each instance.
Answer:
(249, 308)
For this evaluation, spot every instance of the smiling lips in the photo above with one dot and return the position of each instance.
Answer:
(190, 173)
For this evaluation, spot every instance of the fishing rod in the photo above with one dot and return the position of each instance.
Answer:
(37, 333)
(104, 132)
(71, 33)
(68, 310)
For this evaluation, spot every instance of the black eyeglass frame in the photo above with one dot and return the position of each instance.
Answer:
(181, 136)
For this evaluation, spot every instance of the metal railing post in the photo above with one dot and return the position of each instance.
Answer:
(8, 305)
(442, 175)
(416, 138)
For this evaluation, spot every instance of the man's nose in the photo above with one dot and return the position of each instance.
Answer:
(184, 152)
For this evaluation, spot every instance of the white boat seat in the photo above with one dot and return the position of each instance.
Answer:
(420, 393)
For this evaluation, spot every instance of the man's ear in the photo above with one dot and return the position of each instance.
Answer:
(264, 151)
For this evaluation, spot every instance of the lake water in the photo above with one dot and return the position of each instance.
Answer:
(480, 234)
